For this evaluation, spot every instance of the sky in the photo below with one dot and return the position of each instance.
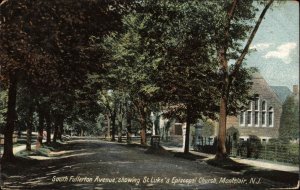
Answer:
(276, 45)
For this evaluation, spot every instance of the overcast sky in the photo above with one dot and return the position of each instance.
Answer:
(277, 46)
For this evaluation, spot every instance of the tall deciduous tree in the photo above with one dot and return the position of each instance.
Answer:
(236, 17)
(168, 53)
(186, 67)
(131, 66)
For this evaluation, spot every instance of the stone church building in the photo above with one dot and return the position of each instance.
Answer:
(261, 119)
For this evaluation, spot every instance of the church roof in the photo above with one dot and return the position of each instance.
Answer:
(282, 92)
(261, 87)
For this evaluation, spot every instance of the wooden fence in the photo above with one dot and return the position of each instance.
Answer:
(15, 138)
(277, 151)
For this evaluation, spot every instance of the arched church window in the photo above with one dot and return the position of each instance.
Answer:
(271, 117)
(263, 113)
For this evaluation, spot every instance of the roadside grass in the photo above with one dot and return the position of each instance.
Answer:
(43, 151)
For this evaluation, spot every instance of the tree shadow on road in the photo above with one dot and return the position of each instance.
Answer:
(229, 164)
(32, 173)
(288, 178)
(188, 156)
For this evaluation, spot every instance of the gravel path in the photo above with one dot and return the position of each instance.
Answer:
(95, 164)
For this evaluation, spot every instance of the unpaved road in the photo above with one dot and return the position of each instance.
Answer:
(95, 164)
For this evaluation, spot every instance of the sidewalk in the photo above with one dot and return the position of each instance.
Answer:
(255, 163)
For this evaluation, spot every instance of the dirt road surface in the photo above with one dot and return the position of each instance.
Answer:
(95, 164)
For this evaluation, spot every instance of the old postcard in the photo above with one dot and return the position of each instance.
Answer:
(149, 94)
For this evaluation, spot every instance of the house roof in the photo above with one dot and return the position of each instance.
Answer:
(261, 87)
(282, 92)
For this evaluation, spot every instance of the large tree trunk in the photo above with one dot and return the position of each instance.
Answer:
(39, 141)
(55, 133)
(120, 131)
(143, 121)
(222, 56)
(29, 128)
(128, 128)
(221, 148)
(48, 126)
(187, 131)
(60, 127)
(228, 78)
(28, 137)
(10, 119)
(108, 125)
(113, 127)
(143, 129)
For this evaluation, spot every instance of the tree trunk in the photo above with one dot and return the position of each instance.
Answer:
(143, 130)
(108, 126)
(187, 131)
(29, 128)
(221, 148)
(120, 131)
(156, 125)
(39, 141)
(55, 134)
(10, 119)
(128, 128)
(28, 137)
(60, 128)
(113, 127)
(48, 127)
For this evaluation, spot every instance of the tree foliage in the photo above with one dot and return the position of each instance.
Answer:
(72, 60)
(289, 122)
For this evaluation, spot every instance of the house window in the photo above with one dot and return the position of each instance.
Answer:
(263, 106)
(263, 113)
(256, 104)
(256, 114)
(242, 118)
(270, 117)
(250, 106)
(263, 118)
(249, 117)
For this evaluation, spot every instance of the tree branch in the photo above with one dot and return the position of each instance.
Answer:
(239, 61)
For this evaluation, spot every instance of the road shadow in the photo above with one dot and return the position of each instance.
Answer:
(274, 175)
(288, 178)
(229, 164)
(92, 158)
(31, 173)
(188, 156)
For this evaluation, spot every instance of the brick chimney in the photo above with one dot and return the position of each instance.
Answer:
(296, 89)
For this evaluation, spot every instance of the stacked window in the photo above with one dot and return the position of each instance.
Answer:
(257, 114)
(242, 118)
(270, 116)
(256, 111)
(249, 114)
(263, 113)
